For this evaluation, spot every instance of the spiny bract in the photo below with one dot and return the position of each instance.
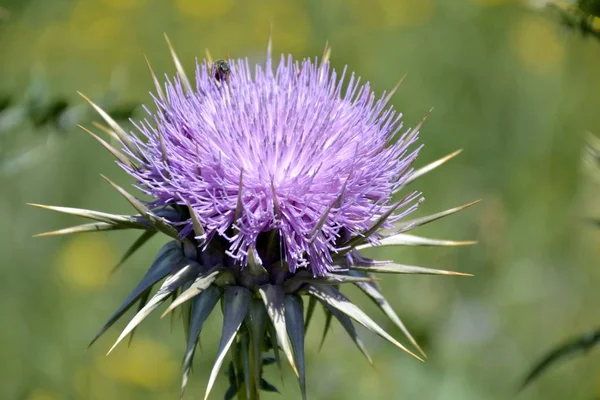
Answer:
(269, 181)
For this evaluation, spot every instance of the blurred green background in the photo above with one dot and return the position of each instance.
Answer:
(507, 85)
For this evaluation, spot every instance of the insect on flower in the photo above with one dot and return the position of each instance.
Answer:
(221, 70)
(269, 190)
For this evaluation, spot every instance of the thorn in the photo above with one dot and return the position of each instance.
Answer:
(208, 56)
(270, 43)
(275, 200)
(326, 53)
(471, 203)
(167, 311)
(394, 89)
(179, 67)
(428, 168)
(238, 207)
(324, 60)
(106, 130)
(123, 137)
(466, 243)
(155, 80)
(112, 348)
(454, 273)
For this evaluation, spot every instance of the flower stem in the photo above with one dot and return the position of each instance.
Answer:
(245, 370)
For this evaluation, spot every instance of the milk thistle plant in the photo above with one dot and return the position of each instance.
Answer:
(270, 181)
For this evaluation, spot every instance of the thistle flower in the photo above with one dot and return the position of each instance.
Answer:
(270, 180)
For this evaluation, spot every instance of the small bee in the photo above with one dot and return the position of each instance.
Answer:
(221, 71)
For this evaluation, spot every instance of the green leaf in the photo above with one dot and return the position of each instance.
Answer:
(312, 302)
(392, 268)
(267, 387)
(235, 307)
(171, 283)
(327, 326)
(372, 290)
(168, 256)
(294, 321)
(268, 360)
(350, 329)
(230, 393)
(145, 236)
(202, 282)
(331, 296)
(403, 239)
(186, 313)
(571, 348)
(172, 297)
(202, 306)
(273, 296)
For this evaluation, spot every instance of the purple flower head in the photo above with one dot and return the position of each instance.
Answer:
(299, 149)
(269, 182)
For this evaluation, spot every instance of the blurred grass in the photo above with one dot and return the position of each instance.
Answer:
(507, 85)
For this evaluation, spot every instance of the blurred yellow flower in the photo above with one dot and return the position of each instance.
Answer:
(41, 394)
(292, 27)
(565, 5)
(495, 2)
(537, 44)
(405, 13)
(104, 30)
(124, 4)
(147, 363)
(203, 8)
(85, 261)
(93, 25)
(21, 36)
(48, 37)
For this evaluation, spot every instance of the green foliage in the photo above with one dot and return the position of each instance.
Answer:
(583, 343)
(42, 113)
(507, 86)
(580, 17)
